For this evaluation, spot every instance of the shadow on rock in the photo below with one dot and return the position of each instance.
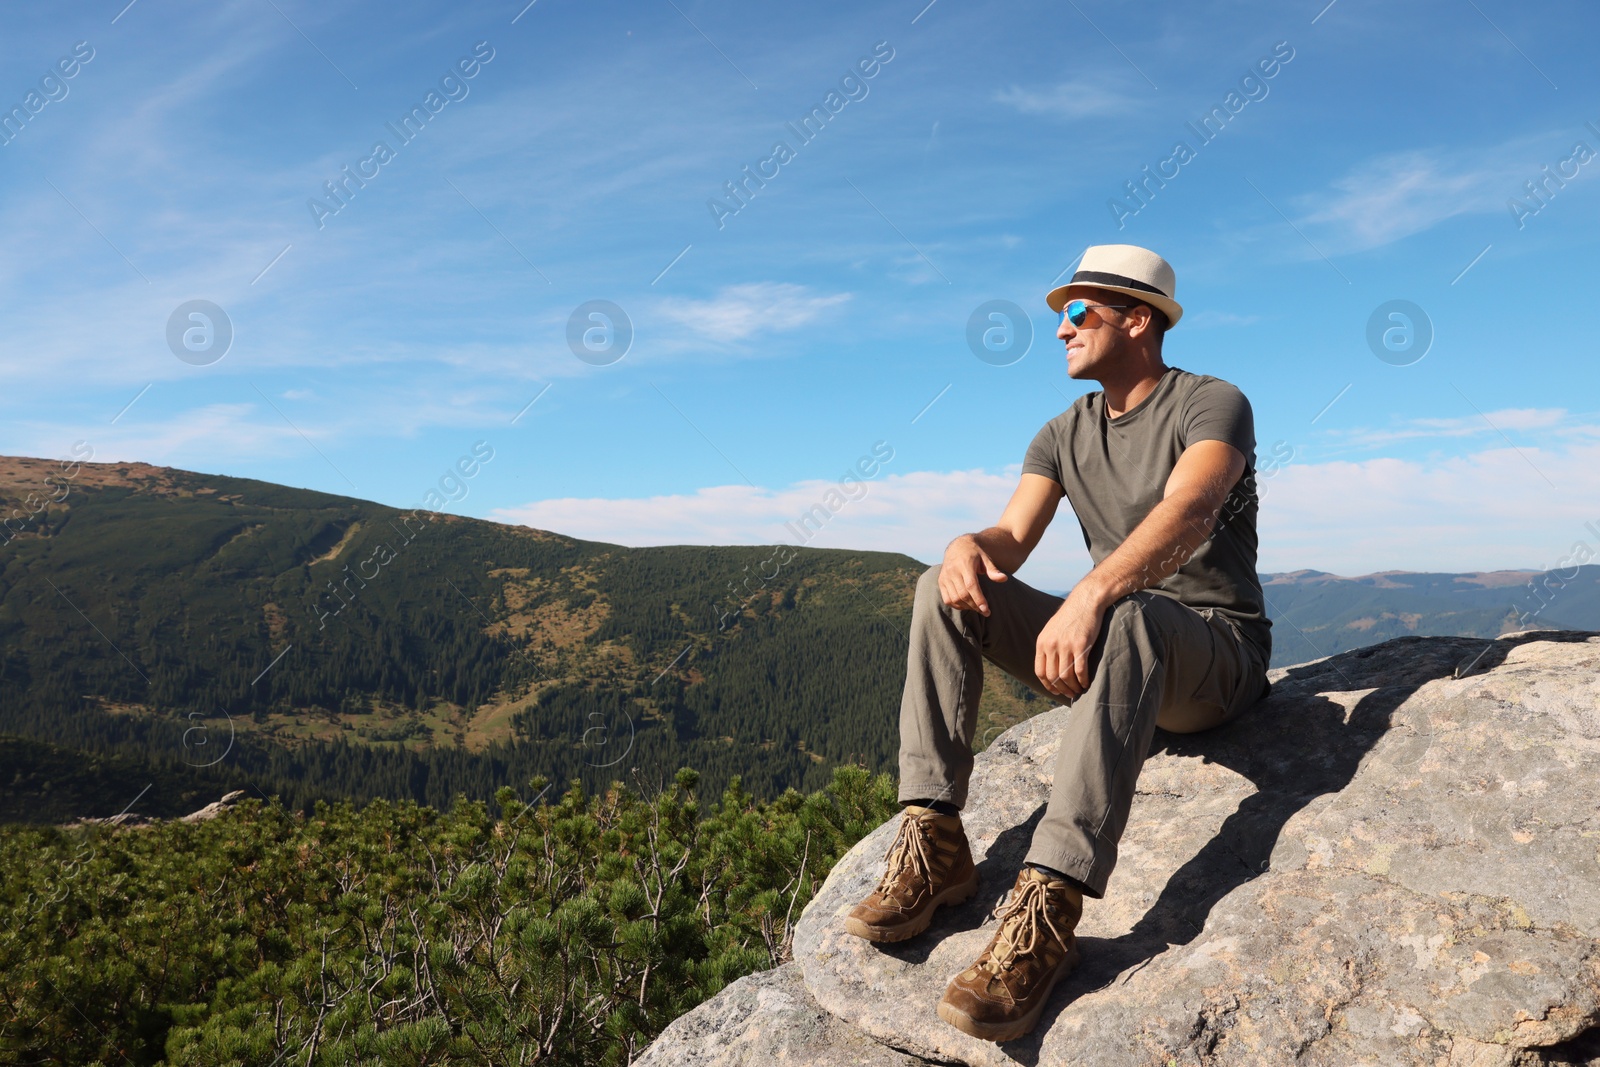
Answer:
(1293, 746)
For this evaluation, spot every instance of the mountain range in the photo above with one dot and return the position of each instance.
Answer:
(166, 636)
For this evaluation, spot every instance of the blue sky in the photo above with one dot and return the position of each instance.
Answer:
(775, 346)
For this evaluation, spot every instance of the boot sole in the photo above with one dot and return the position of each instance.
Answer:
(1010, 1031)
(956, 894)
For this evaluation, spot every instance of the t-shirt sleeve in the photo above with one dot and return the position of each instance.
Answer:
(1044, 457)
(1218, 411)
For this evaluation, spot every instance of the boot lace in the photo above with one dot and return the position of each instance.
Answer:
(909, 850)
(1022, 920)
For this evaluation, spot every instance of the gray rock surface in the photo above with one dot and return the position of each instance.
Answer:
(767, 1018)
(215, 808)
(135, 821)
(1395, 860)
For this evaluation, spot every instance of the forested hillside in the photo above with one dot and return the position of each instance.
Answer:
(322, 646)
(191, 633)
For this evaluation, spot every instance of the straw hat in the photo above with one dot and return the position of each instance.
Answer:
(1129, 269)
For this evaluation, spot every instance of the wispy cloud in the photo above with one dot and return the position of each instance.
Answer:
(739, 312)
(218, 432)
(1085, 97)
(1208, 319)
(1490, 422)
(1393, 196)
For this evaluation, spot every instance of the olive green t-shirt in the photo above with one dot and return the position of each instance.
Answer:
(1115, 470)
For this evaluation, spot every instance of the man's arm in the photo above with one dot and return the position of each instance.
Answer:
(1177, 526)
(1000, 549)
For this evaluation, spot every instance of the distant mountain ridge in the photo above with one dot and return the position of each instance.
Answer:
(1390, 579)
(1318, 614)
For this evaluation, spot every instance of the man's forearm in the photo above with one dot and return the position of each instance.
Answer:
(1153, 552)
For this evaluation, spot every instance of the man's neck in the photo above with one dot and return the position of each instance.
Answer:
(1129, 390)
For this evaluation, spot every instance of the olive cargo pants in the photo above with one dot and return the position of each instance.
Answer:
(1155, 663)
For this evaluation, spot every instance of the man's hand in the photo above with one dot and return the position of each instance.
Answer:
(1001, 549)
(1061, 655)
(958, 578)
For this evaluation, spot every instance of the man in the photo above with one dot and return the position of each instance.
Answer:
(1166, 630)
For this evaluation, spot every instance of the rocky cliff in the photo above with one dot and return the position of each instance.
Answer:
(1392, 860)
(135, 820)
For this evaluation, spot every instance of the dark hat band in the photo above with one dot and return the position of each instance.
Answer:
(1100, 277)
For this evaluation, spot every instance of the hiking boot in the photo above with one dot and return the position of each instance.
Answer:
(929, 864)
(1001, 996)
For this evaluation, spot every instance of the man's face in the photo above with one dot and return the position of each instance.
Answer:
(1093, 347)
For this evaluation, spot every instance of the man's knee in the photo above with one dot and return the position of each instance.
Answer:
(929, 601)
(1128, 610)
(1131, 615)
